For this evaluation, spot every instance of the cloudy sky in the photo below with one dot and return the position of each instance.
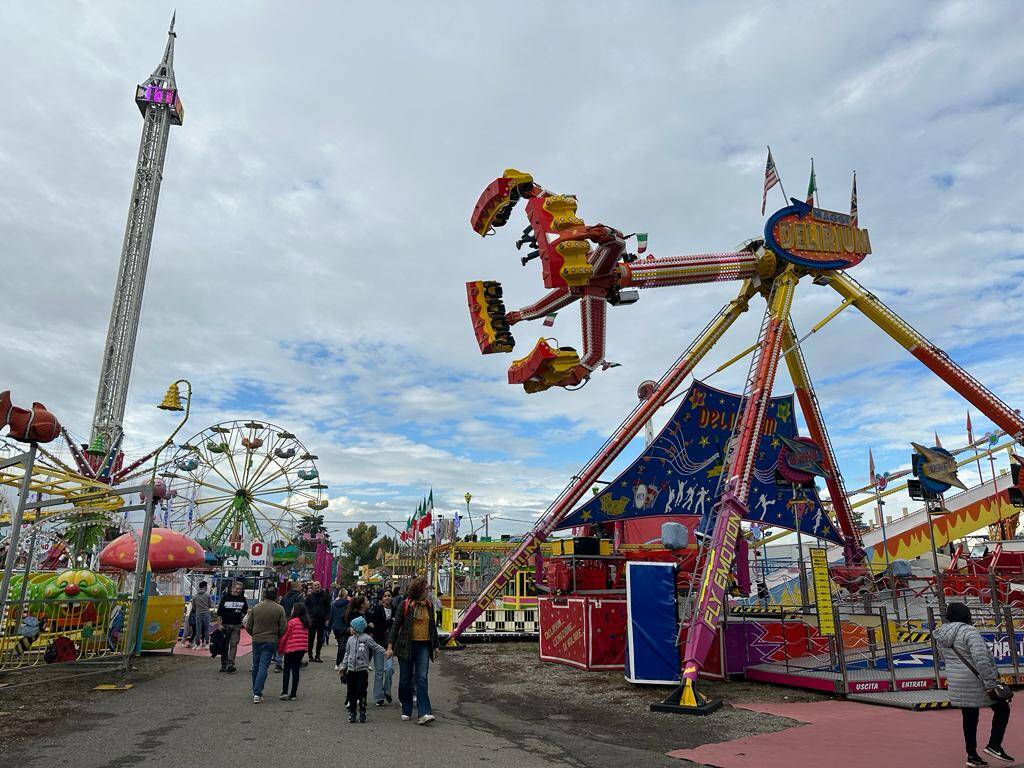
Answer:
(312, 243)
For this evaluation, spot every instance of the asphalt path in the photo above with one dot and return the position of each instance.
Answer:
(193, 715)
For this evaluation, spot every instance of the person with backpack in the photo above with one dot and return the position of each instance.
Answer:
(413, 639)
(973, 682)
(266, 624)
(292, 645)
(379, 620)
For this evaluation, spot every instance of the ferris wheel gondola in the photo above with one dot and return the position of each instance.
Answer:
(242, 480)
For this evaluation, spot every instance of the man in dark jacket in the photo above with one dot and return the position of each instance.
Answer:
(231, 612)
(318, 606)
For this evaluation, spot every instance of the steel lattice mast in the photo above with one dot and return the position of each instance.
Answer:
(161, 108)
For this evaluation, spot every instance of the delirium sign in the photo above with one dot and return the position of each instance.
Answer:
(816, 238)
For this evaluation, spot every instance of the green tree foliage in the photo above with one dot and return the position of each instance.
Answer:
(311, 525)
(362, 546)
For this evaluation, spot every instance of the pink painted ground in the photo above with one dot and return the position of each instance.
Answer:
(852, 735)
(244, 648)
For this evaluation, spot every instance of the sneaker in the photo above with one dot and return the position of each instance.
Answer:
(278, 670)
(406, 717)
(387, 697)
(998, 753)
(231, 669)
(318, 660)
(362, 716)
(284, 697)
(379, 703)
(337, 667)
(426, 720)
(351, 717)
(223, 669)
(291, 698)
(975, 761)
(257, 699)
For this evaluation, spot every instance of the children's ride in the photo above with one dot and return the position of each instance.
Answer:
(799, 241)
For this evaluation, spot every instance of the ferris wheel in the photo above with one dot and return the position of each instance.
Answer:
(242, 480)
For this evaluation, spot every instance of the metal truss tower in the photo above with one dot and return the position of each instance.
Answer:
(161, 107)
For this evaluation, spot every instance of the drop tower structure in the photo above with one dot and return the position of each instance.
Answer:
(160, 104)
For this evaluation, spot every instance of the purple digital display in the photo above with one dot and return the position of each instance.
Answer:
(158, 95)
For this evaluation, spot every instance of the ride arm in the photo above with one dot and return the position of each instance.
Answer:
(708, 609)
(811, 409)
(687, 270)
(552, 302)
(937, 361)
(592, 470)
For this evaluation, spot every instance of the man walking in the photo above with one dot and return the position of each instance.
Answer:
(318, 606)
(201, 605)
(266, 623)
(231, 612)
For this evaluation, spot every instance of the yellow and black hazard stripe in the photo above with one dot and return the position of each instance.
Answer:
(931, 705)
(912, 637)
(768, 609)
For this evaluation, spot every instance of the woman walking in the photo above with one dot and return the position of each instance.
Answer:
(973, 682)
(413, 639)
(293, 644)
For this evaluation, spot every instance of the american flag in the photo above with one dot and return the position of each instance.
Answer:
(771, 178)
(853, 201)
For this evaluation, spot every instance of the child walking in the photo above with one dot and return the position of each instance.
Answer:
(292, 645)
(355, 667)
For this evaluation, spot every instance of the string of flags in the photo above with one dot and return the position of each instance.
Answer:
(419, 520)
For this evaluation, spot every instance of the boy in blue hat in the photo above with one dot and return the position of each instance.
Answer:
(355, 667)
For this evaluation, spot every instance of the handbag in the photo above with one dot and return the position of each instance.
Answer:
(1001, 691)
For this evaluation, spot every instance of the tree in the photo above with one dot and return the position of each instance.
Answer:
(362, 548)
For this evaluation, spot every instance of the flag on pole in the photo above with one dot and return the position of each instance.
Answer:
(641, 242)
(427, 517)
(938, 443)
(871, 466)
(550, 319)
(457, 521)
(771, 178)
(812, 185)
(853, 203)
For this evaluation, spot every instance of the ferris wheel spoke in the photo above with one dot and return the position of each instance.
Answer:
(213, 467)
(204, 483)
(205, 517)
(277, 473)
(267, 458)
(234, 469)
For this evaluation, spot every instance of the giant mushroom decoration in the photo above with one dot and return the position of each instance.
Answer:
(168, 551)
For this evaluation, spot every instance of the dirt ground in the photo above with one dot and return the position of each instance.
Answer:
(602, 706)
(31, 702)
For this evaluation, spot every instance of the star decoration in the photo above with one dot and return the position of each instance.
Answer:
(775, 442)
(696, 399)
(704, 441)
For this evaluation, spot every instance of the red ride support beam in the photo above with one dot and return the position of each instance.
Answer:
(629, 428)
(731, 508)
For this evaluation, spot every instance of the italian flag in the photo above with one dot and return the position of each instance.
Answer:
(641, 242)
(427, 512)
(409, 529)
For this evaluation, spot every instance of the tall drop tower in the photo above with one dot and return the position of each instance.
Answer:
(161, 107)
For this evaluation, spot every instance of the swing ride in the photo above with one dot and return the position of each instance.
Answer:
(590, 264)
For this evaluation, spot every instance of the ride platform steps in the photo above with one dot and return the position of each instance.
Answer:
(913, 700)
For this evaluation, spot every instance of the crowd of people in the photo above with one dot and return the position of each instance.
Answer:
(289, 632)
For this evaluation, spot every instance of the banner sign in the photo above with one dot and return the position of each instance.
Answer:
(816, 238)
(822, 592)
(679, 473)
(257, 551)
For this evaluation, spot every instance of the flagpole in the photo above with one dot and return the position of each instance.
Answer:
(784, 196)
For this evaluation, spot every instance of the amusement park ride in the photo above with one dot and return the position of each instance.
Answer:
(590, 264)
(234, 480)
